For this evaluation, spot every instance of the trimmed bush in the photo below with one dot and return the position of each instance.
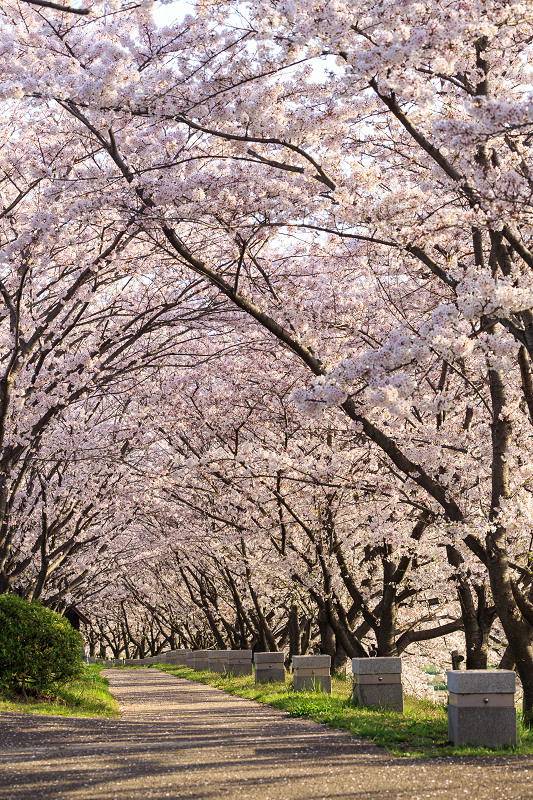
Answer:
(38, 648)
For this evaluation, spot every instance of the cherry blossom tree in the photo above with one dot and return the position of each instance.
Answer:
(356, 180)
(82, 325)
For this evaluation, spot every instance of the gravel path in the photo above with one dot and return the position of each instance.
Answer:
(179, 739)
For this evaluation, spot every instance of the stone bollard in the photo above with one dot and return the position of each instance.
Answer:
(269, 667)
(177, 657)
(378, 682)
(481, 707)
(217, 661)
(199, 660)
(239, 662)
(311, 673)
(132, 662)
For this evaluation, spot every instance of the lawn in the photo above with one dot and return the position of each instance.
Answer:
(88, 696)
(421, 731)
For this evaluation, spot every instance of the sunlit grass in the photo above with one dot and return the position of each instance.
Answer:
(421, 731)
(88, 696)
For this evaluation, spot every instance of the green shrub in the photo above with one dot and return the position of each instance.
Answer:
(38, 648)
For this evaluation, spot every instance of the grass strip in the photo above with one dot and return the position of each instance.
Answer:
(420, 732)
(87, 696)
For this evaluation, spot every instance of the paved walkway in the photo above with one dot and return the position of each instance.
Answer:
(178, 739)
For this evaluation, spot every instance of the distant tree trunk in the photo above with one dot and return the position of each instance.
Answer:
(327, 637)
(340, 657)
(294, 632)
(477, 617)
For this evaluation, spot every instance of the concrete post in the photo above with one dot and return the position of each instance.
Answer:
(239, 662)
(378, 682)
(199, 660)
(311, 673)
(176, 657)
(481, 708)
(218, 661)
(269, 667)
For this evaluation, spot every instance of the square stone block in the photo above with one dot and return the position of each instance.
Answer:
(488, 727)
(269, 658)
(481, 707)
(270, 675)
(178, 657)
(376, 666)
(311, 662)
(318, 683)
(218, 661)
(479, 681)
(386, 695)
(199, 660)
(239, 662)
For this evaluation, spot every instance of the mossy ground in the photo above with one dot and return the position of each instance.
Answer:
(421, 731)
(87, 696)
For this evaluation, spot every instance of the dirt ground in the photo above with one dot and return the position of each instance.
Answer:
(178, 739)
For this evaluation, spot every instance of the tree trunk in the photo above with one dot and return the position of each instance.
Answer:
(327, 638)
(517, 629)
(294, 632)
(477, 618)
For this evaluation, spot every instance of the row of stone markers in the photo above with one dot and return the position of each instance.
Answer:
(481, 709)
